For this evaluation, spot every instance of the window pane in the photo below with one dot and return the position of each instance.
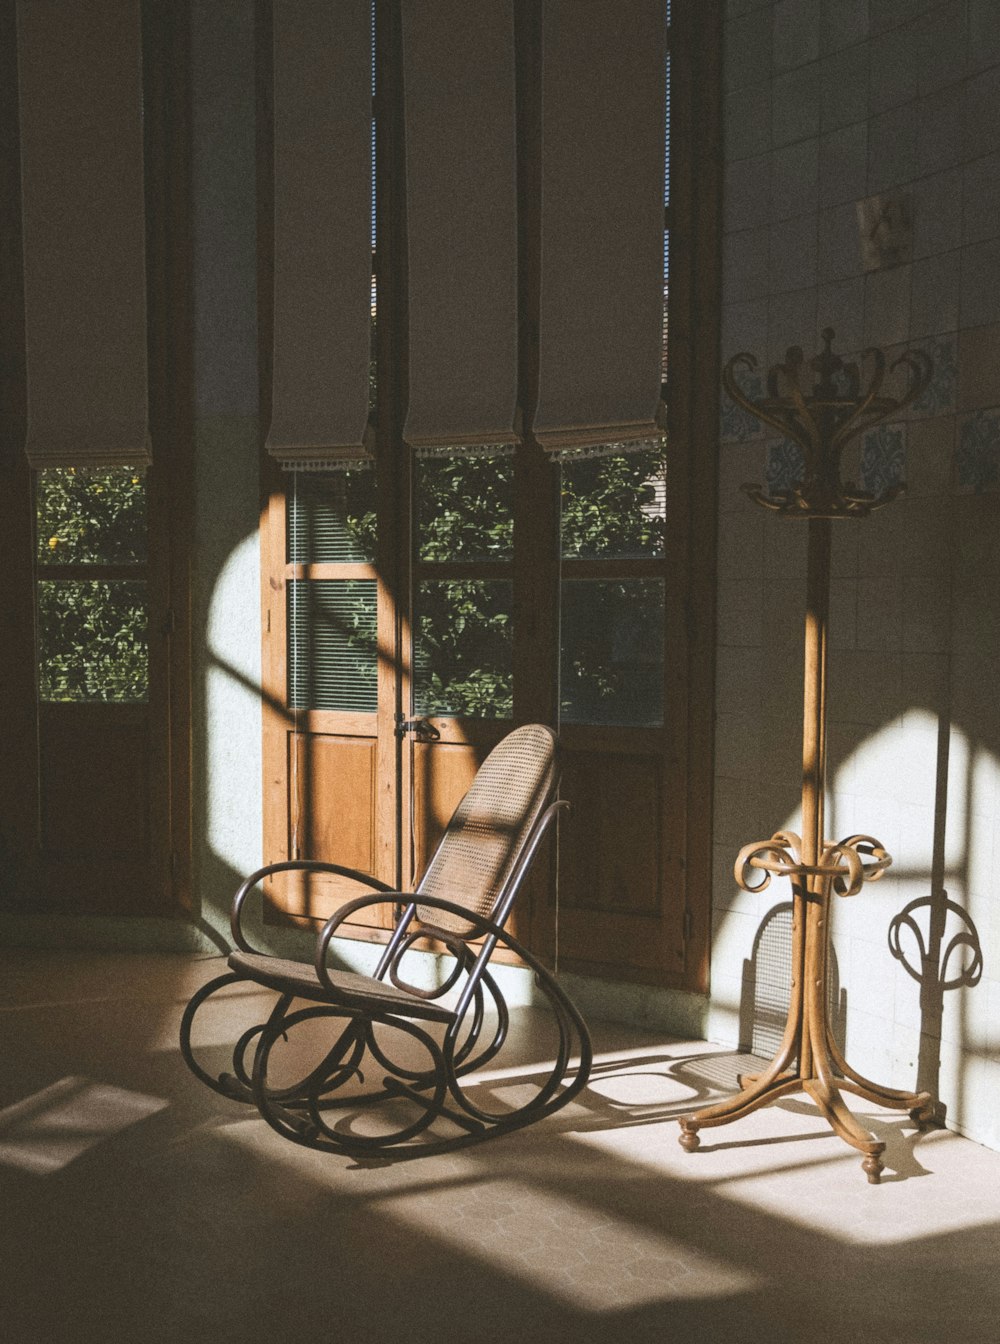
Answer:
(331, 517)
(612, 651)
(465, 508)
(332, 647)
(91, 515)
(92, 640)
(463, 649)
(614, 507)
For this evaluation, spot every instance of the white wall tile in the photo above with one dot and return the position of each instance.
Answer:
(795, 106)
(983, 34)
(844, 84)
(934, 294)
(747, 121)
(894, 65)
(887, 306)
(980, 302)
(747, 48)
(839, 249)
(796, 33)
(841, 305)
(738, 680)
(981, 197)
(937, 213)
(745, 258)
(740, 609)
(886, 14)
(744, 327)
(942, 138)
(926, 614)
(880, 612)
(738, 740)
(843, 164)
(892, 149)
(792, 263)
(791, 321)
(941, 54)
(746, 195)
(843, 23)
(794, 179)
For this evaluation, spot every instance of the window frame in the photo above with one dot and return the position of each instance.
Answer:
(688, 564)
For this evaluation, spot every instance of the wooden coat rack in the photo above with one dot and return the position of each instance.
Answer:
(808, 1058)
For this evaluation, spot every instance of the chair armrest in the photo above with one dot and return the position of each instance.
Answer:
(481, 926)
(298, 865)
(385, 897)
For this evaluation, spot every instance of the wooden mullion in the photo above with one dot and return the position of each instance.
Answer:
(330, 570)
(276, 719)
(458, 570)
(580, 569)
(85, 570)
(393, 465)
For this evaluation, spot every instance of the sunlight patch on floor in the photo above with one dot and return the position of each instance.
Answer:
(47, 1131)
(603, 1263)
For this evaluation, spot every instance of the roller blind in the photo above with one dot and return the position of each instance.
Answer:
(461, 180)
(81, 123)
(601, 265)
(322, 232)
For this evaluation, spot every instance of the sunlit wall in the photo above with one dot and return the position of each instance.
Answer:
(830, 105)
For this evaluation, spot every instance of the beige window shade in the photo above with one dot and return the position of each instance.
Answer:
(322, 232)
(601, 301)
(81, 114)
(461, 180)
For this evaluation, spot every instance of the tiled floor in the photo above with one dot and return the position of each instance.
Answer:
(137, 1206)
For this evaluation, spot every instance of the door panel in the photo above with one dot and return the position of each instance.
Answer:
(610, 857)
(332, 815)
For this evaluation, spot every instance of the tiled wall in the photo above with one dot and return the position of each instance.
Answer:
(830, 102)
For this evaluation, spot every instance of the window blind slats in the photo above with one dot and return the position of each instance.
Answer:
(81, 130)
(322, 230)
(332, 653)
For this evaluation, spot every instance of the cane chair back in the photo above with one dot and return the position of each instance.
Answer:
(477, 858)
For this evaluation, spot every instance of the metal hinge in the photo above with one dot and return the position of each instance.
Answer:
(422, 729)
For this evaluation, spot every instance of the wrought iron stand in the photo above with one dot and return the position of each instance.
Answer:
(808, 1058)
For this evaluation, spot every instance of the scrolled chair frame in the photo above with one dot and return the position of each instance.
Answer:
(357, 1004)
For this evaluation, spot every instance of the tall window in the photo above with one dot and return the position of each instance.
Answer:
(420, 606)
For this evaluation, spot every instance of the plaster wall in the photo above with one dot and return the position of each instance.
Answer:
(830, 103)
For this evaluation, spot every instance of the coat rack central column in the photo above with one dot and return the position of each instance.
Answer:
(808, 1059)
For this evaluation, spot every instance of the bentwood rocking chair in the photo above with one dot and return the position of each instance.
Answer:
(427, 1045)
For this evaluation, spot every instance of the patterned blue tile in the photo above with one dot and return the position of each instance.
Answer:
(977, 457)
(784, 466)
(883, 459)
(939, 396)
(737, 425)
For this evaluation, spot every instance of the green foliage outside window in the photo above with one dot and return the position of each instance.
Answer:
(612, 507)
(91, 515)
(92, 641)
(91, 631)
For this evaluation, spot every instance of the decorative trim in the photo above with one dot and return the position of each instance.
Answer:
(883, 459)
(615, 449)
(466, 450)
(977, 457)
(329, 464)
